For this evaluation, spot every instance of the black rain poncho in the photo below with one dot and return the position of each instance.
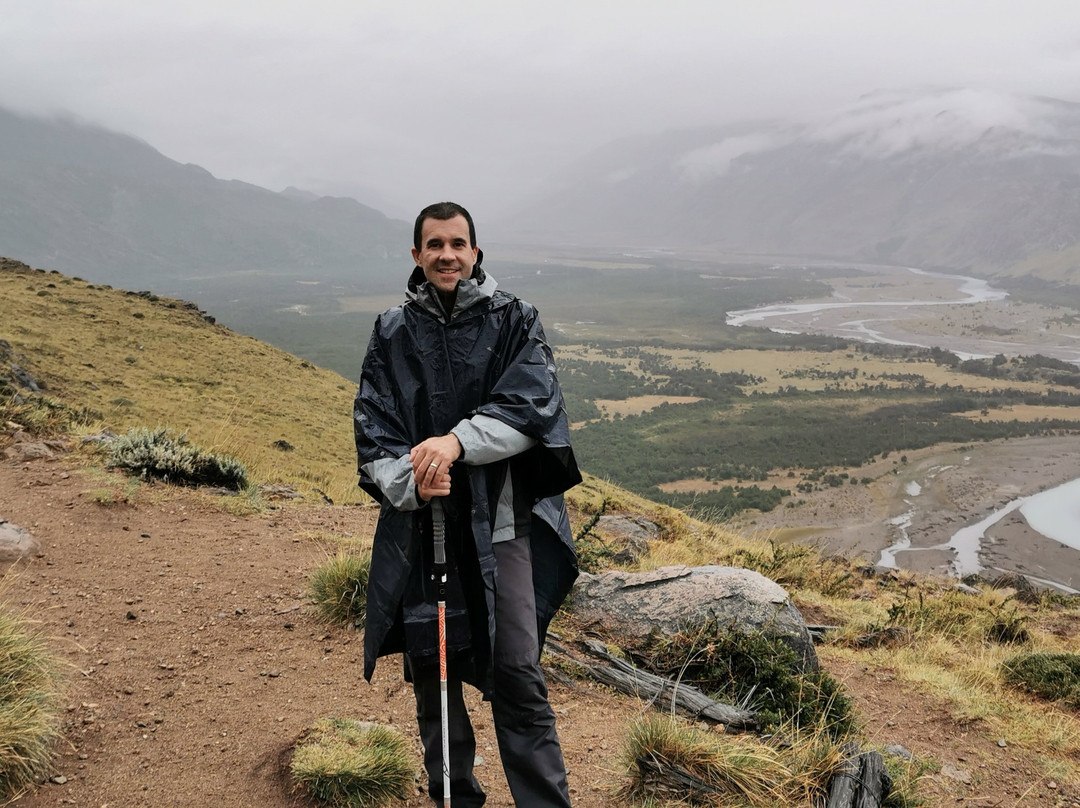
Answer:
(420, 377)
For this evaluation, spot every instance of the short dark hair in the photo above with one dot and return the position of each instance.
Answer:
(442, 211)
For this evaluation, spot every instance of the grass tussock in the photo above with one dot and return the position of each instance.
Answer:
(668, 761)
(159, 454)
(42, 416)
(339, 587)
(1054, 677)
(351, 764)
(989, 616)
(29, 706)
(742, 771)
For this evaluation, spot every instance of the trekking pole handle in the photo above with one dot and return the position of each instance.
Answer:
(438, 531)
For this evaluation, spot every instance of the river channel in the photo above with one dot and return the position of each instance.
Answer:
(881, 311)
(882, 305)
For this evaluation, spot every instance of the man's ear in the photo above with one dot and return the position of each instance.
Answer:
(416, 256)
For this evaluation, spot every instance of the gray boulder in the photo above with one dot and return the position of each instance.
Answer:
(629, 535)
(15, 543)
(670, 599)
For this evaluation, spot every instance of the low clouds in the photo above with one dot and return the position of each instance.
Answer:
(885, 124)
(715, 160)
(482, 100)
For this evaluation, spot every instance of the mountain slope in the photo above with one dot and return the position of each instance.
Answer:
(956, 178)
(92, 202)
(200, 656)
(140, 361)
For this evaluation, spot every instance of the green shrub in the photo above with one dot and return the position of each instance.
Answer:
(156, 453)
(351, 764)
(755, 669)
(1054, 677)
(339, 588)
(29, 707)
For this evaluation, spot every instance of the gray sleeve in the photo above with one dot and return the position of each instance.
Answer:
(485, 439)
(394, 477)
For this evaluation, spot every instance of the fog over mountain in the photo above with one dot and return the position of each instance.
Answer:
(957, 178)
(981, 181)
(85, 200)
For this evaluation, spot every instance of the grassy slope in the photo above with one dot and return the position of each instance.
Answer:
(140, 362)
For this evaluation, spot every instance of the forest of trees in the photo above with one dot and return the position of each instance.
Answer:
(791, 428)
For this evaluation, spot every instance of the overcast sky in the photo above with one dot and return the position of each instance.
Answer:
(480, 101)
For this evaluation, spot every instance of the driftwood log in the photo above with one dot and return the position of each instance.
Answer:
(668, 695)
(861, 782)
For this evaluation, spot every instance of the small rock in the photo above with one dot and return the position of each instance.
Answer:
(15, 542)
(897, 751)
(1002, 743)
(954, 773)
(131, 616)
(58, 779)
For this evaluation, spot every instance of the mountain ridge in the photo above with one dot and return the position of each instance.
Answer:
(957, 179)
(90, 201)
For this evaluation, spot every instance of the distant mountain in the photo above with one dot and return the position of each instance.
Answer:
(108, 206)
(949, 178)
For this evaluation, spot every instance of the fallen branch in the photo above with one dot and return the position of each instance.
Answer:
(626, 678)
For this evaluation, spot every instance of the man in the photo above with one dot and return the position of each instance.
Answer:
(458, 399)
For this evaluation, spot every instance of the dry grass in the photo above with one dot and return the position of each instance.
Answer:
(789, 768)
(350, 764)
(29, 704)
(141, 363)
(339, 587)
(635, 405)
(741, 770)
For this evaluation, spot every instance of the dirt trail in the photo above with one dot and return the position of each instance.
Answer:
(195, 661)
(194, 658)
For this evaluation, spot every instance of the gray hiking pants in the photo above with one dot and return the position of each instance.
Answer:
(524, 721)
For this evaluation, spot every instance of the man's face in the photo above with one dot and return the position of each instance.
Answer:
(445, 254)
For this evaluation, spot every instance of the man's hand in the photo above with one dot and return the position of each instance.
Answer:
(439, 487)
(431, 461)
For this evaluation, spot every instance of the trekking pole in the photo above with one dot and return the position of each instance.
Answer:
(438, 533)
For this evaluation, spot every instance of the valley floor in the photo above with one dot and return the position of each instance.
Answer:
(942, 489)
